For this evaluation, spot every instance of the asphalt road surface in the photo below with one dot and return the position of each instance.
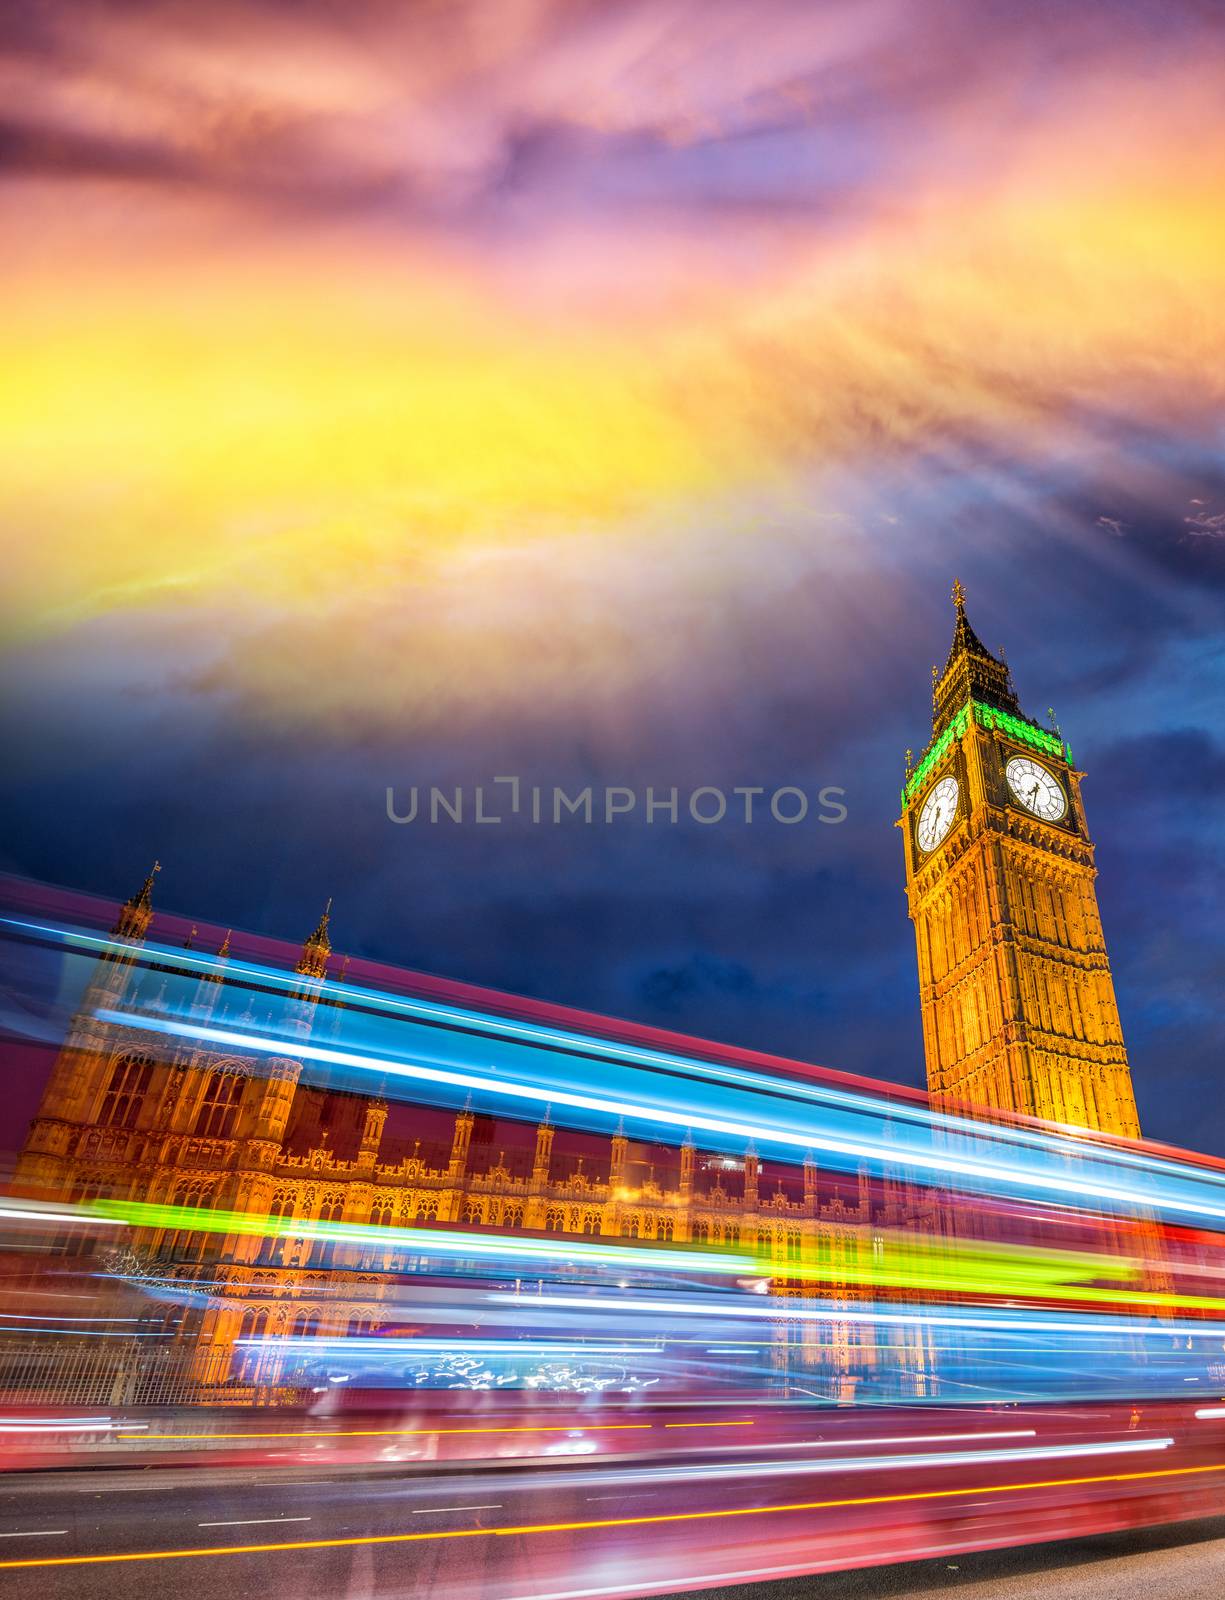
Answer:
(583, 1530)
(1185, 1561)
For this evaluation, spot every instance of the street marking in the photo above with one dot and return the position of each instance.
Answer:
(437, 1511)
(519, 1529)
(250, 1522)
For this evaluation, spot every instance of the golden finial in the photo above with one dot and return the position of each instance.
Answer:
(909, 762)
(935, 674)
(959, 594)
(224, 952)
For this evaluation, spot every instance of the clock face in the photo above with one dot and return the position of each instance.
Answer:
(939, 810)
(1036, 789)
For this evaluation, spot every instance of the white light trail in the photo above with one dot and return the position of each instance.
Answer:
(683, 1119)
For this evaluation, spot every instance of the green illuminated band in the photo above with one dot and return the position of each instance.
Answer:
(990, 717)
(907, 1262)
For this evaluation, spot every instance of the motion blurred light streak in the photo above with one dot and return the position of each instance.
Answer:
(931, 1264)
(985, 1319)
(692, 1471)
(1052, 1145)
(1044, 1172)
(238, 973)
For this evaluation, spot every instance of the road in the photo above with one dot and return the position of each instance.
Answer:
(1185, 1561)
(592, 1530)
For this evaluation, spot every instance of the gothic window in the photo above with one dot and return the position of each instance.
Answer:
(555, 1220)
(330, 1210)
(130, 1079)
(474, 1211)
(793, 1246)
(591, 1222)
(666, 1228)
(219, 1106)
(189, 1244)
(733, 1234)
(305, 1325)
(512, 1217)
(701, 1231)
(274, 1249)
(380, 1214)
(244, 1367)
(631, 1227)
(360, 1328)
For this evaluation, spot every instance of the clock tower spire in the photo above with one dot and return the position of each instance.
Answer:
(1019, 1012)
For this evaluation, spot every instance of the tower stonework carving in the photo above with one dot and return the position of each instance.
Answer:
(1018, 1004)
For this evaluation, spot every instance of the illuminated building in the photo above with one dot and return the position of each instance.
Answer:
(223, 1133)
(1018, 1015)
(1018, 1005)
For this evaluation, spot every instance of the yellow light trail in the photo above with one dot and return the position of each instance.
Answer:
(602, 1522)
(386, 1433)
(747, 1423)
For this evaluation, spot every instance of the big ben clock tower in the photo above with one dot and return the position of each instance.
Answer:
(1018, 1004)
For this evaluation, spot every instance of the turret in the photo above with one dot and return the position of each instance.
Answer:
(619, 1159)
(752, 1171)
(688, 1162)
(810, 1184)
(544, 1150)
(136, 914)
(460, 1143)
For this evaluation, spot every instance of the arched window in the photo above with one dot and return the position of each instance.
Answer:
(192, 1244)
(130, 1079)
(793, 1245)
(701, 1231)
(631, 1227)
(666, 1227)
(330, 1210)
(275, 1247)
(380, 1214)
(591, 1222)
(219, 1107)
(305, 1325)
(248, 1351)
(555, 1220)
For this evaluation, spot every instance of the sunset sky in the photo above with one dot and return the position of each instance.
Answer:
(608, 392)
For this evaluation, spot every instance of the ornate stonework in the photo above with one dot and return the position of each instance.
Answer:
(1018, 1004)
